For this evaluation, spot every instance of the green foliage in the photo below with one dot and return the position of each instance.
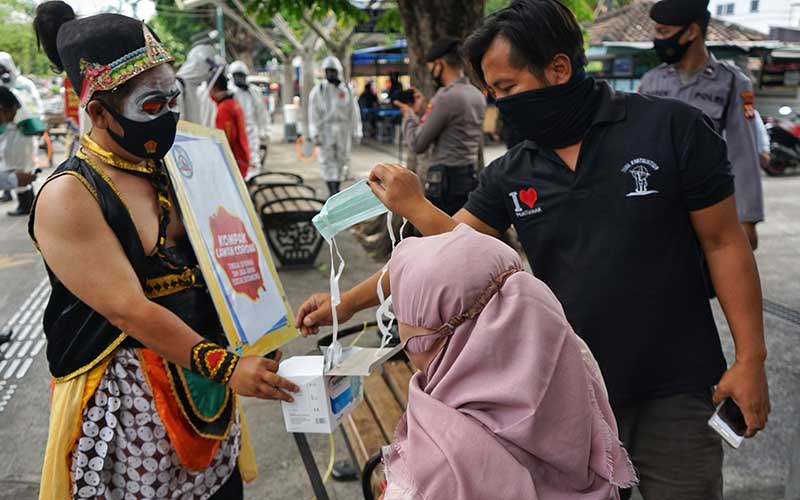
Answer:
(18, 39)
(177, 29)
(294, 9)
(495, 5)
(583, 9)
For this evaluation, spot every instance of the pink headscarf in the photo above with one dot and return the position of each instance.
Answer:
(509, 409)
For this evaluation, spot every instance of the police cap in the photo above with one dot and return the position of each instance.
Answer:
(679, 12)
(442, 47)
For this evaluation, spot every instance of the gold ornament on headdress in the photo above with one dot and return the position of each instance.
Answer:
(97, 77)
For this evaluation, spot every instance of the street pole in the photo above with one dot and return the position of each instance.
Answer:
(221, 31)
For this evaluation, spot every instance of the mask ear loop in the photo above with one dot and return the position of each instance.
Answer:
(386, 303)
(333, 355)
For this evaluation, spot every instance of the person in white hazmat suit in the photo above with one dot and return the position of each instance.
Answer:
(256, 118)
(20, 147)
(202, 65)
(334, 121)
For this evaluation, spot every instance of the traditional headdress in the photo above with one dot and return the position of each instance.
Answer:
(99, 52)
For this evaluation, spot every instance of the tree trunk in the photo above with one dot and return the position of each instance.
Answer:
(307, 82)
(287, 83)
(425, 22)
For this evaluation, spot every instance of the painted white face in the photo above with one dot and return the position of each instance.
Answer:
(155, 93)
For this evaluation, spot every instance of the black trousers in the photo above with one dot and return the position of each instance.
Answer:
(449, 187)
(678, 456)
(233, 489)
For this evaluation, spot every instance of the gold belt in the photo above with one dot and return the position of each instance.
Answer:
(169, 284)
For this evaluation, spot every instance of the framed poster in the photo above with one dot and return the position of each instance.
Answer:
(227, 237)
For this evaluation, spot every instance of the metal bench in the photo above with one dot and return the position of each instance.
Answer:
(286, 210)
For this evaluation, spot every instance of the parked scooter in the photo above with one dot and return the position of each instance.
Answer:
(784, 136)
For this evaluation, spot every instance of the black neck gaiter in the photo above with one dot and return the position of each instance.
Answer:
(554, 117)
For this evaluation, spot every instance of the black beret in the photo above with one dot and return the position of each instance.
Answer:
(679, 12)
(442, 47)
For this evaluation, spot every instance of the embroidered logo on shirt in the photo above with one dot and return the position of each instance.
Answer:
(640, 170)
(525, 198)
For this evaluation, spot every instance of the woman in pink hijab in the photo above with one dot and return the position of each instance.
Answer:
(508, 402)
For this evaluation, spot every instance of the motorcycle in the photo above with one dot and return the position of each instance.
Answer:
(784, 138)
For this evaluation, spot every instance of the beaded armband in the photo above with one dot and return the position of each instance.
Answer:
(213, 361)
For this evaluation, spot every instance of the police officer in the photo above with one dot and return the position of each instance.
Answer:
(452, 124)
(690, 73)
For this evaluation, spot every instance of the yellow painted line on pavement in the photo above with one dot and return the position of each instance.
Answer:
(16, 260)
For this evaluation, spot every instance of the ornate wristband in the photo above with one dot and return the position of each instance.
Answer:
(213, 361)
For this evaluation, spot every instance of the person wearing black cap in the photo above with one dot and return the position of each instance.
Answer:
(145, 391)
(452, 124)
(614, 196)
(719, 89)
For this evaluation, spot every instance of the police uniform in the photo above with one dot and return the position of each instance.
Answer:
(725, 95)
(452, 126)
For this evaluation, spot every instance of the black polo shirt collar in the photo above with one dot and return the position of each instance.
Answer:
(611, 109)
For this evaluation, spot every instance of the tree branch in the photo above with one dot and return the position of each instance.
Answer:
(257, 33)
(284, 28)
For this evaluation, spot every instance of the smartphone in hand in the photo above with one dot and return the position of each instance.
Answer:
(728, 422)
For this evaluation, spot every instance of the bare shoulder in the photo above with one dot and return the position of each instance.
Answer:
(66, 204)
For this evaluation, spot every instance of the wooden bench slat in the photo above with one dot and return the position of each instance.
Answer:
(363, 434)
(383, 404)
(398, 374)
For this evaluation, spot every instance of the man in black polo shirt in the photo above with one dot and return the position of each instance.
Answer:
(615, 197)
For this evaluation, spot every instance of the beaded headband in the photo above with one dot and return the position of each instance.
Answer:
(97, 77)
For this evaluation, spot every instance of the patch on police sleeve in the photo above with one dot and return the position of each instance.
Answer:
(748, 103)
(427, 112)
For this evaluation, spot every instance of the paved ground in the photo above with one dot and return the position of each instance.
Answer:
(756, 472)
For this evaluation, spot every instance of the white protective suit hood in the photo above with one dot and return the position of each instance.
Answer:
(331, 62)
(194, 102)
(8, 62)
(24, 89)
(238, 67)
(198, 66)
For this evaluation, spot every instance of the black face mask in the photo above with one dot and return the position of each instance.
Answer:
(437, 79)
(669, 50)
(5, 76)
(240, 81)
(151, 140)
(332, 76)
(553, 117)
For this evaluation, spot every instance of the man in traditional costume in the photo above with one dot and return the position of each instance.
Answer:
(145, 399)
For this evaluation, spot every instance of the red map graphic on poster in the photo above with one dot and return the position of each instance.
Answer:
(236, 253)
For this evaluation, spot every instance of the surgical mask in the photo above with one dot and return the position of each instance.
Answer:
(347, 208)
(343, 210)
(3, 127)
(553, 117)
(669, 49)
(145, 139)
